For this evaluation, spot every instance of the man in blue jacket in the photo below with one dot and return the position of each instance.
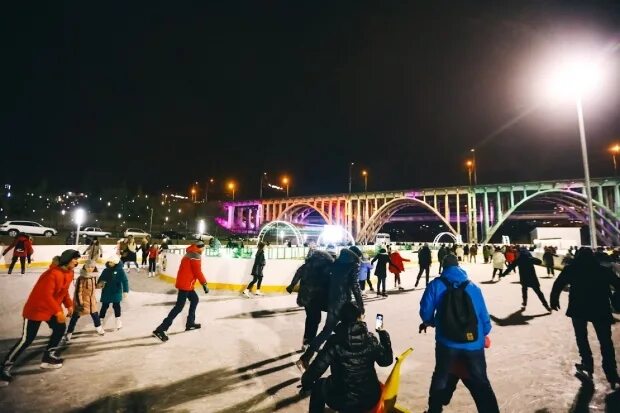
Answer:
(454, 360)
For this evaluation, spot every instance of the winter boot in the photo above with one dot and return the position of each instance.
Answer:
(193, 326)
(5, 375)
(100, 330)
(258, 292)
(160, 335)
(51, 361)
(119, 323)
(583, 373)
(247, 293)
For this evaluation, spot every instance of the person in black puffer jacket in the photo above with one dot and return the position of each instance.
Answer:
(351, 354)
(313, 279)
(342, 282)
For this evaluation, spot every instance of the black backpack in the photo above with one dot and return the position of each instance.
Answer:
(20, 246)
(457, 315)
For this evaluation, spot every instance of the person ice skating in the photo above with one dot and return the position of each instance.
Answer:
(548, 260)
(257, 271)
(351, 353)
(22, 250)
(511, 256)
(342, 283)
(130, 252)
(450, 353)
(93, 252)
(588, 301)
(473, 252)
(498, 260)
(44, 304)
(85, 300)
(153, 253)
(527, 276)
(145, 246)
(486, 253)
(396, 267)
(190, 271)
(115, 286)
(441, 254)
(313, 278)
(460, 253)
(424, 260)
(364, 273)
(382, 259)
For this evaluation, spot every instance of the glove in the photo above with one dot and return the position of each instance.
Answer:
(204, 287)
(422, 327)
(289, 289)
(60, 317)
(487, 342)
(124, 295)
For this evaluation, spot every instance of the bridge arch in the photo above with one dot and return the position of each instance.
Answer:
(576, 205)
(385, 213)
(441, 234)
(275, 224)
(300, 208)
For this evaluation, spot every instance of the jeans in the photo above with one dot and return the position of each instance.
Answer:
(75, 317)
(423, 268)
(381, 284)
(29, 333)
(22, 263)
(255, 278)
(603, 332)
(539, 293)
(104, 309)
(475, 379)
(313, 319)
(182, 296)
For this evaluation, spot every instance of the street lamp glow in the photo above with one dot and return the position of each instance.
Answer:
(285, 181)
(231, 186)
(573, 77)
(201, 227)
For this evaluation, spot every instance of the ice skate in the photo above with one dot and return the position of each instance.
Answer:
(160, 335)
(5, 375)
(51, 361)
(193, 326)
(66, 340)
(583, 373)
(119, 323)
(100, 330)
(247, 294)
(258, 293)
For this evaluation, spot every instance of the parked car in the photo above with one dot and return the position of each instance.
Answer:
(202, 237)
(172, 235)
(12, 228)
(94, 232)
(136, 232)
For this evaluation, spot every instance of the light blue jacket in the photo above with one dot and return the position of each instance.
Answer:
(431, 301)
(365, 267)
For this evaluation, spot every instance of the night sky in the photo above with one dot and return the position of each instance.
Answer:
(97, 94)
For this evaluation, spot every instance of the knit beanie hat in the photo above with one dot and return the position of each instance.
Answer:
(356, 250)
(450, 260)
(68, 255)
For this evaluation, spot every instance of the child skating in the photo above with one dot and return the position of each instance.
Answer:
(115, 286)
(85, 300)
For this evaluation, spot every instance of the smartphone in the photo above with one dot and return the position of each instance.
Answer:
(379, 322)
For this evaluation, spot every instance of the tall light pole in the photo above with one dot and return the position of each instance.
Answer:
(474, 165)
(350, 175)
(78, 217)
(231, 186)
(194, 194)
(365, 175)
(469, 165)
(586, 172)
(210, 181)
(285, 181)
(615, 150)
(263, 178)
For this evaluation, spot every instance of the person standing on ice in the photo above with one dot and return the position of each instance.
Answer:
(44, 304)
(498, 260)
(425, 259)
(257, 271)
(527, 276)
(396, 267)
(588, 301)
(451, 353)
(382, 259)
(22, 249)
(441, 254)
(190, 271)
(115, 286)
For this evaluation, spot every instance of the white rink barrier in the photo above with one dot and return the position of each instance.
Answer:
(43, 254)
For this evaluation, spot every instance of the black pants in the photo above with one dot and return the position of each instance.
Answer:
(550, 270)
(397, 278)
(313, 319)
(321, 396)
(104, 309)
(182, 296)
(316, 343)
(369, 283)
(539, 293)
(152, 264)
(76, 316)
(255, 279)
(444, 381)
(144, 258)
(362, 284)
(603, 332)
(423, 268)
(381, 284)
(29, 333)
(22, 263)
(499, 273)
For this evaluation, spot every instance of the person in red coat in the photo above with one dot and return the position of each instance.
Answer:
(45, 302)
(22, 249)
(396, 267)
(190, 271)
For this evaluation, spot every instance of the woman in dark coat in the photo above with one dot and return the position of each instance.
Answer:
(527, 276)
(383, 259)
(257, 271)
(588, 301)
(351, 354)
(115, 286)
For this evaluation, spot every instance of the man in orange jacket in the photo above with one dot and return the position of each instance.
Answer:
(44, 304)
(190, 271)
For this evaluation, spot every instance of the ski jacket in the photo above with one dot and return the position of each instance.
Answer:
(548, 258)
(527, 272)
(498, 260)
(313, 278)
(473, 250)
(84, 297)
(190, 270)
(365, 268)
(441, 254)
(259, 263)
(116, 284)
(588, 297)
(351, 353)
(153, 251)
(343, 282)
(431, 302)
(424, 256)
(397, 266)
(26, 251)
(50, 291)
(382, 260)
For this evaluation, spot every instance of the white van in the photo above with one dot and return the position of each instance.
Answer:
(382, 238)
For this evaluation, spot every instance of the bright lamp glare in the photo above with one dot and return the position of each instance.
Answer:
(573, 77)
(79, 216)
(201, 226)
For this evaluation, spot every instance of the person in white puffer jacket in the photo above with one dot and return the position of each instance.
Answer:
(499, 260)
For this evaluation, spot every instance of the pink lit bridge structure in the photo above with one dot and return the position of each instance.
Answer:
(474, 212)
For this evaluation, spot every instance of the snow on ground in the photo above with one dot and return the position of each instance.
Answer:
(242, 359)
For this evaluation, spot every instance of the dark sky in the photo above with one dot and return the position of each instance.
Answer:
(153, 94)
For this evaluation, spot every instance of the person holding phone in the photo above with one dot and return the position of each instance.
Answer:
(350, 353)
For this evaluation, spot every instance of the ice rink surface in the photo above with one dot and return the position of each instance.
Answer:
(242, 358)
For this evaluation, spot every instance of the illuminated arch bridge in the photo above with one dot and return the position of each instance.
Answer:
(476, 213)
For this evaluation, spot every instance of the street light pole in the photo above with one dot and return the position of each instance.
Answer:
(350, 175)
(586, 171)
(614, 151)
(365, 174)
(210, 181)
(475, 166)
(263, 176)
(469, 168)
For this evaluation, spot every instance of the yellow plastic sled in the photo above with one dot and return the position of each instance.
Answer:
(389, 392)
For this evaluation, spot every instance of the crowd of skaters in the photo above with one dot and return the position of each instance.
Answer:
(327, 283)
